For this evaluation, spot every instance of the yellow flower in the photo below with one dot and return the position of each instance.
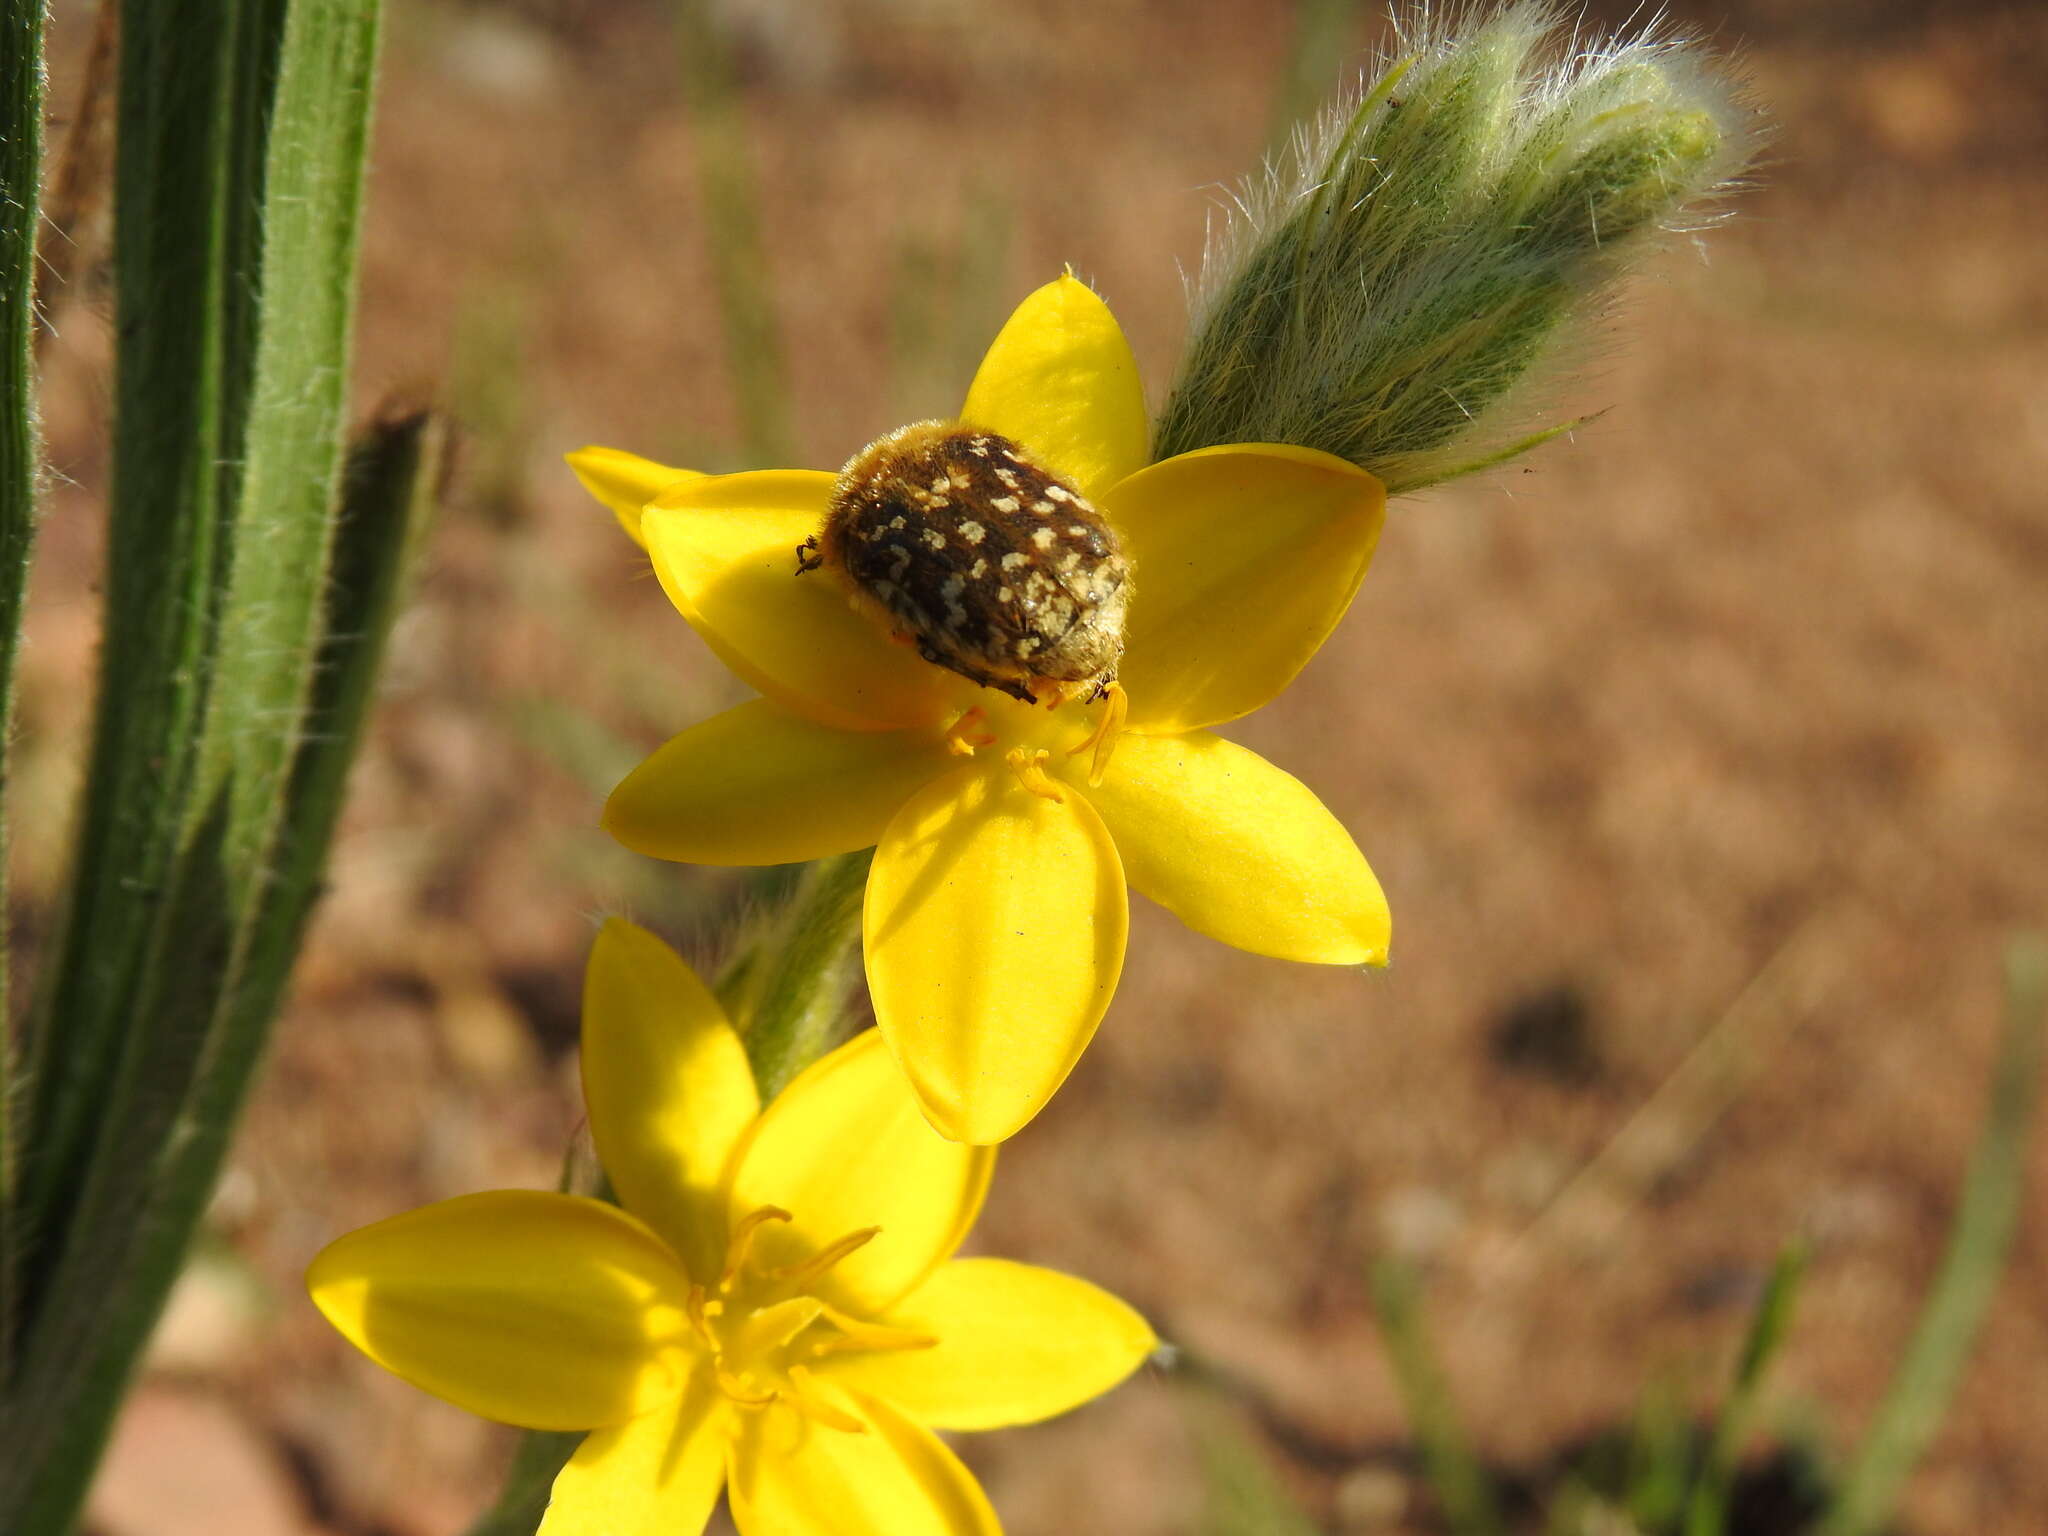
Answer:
(775, 1311)
(1004, 833)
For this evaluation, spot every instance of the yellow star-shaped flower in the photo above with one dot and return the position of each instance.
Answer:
(775, 1311)
(1005, 831)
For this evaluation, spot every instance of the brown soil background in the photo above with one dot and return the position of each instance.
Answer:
(1728, 712)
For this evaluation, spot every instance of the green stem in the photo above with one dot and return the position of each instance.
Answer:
(21, 152)
(798, 979)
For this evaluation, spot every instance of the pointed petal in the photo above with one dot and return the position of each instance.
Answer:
(725, 548)
(995, 932)
(657, 1475)
(625, 482)
(1243, 559)
(1241, 851)
(792, 1477)
(759, 785)
(1060, 379)
(844, 1148)
(547, 1311)
(668, 1087)
(1016, 1344)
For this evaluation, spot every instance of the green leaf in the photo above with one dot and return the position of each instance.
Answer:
(1707, 1510)
(217, 744)
(1926, 1377)
(1460, 1482)
(21, 170)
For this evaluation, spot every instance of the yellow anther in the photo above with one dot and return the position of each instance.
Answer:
(743, 1238)
(1115, 710)
(970, 731)
(825, 1258)
(1028, 763)
(772, 1327)
(736, 1389)
(852, 1335)
(807, 1400)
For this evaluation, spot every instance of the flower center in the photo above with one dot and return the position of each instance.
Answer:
(1034, 746)
(765, 1331)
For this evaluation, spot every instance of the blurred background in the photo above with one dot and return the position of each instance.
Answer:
(1700, 753)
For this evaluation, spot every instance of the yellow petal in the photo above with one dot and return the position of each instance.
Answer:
(792, 1477)
(759, 785)
(1016, 1344)
(547, 1311)
(843, 1148)
(1243, 558)
(995, 928)
(625, 482)
(1060, 379)
(657, 1475)
(725, 548)
(1241, 851)
(668, 1088)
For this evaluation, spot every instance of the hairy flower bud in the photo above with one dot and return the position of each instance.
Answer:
(1388, 292)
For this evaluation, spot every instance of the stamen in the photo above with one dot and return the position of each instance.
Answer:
(855, 1335)
(772, 1327)
(809, 1401)
(821, 1261)
(1116, 709)
(969, 732)
(700, 1320)
(1028, 764)
(743, 1238)
(732, 1387)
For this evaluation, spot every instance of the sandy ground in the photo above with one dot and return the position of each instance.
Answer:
(1722, 720)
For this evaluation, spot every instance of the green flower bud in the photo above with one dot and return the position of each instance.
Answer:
(1390, 291)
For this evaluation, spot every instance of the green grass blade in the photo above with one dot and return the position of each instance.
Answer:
(732, 227)
(1241, 1495)
(1460, 1482)
(21, 172)
(1926, 1377)
(1707, 1509)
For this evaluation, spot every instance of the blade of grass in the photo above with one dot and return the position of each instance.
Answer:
(1241, 1496)
(732, 224)
(21, 172)
(1926, 1377)
(1454, 1471)
(1707, 1510)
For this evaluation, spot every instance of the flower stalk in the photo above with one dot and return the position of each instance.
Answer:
(794, 973)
